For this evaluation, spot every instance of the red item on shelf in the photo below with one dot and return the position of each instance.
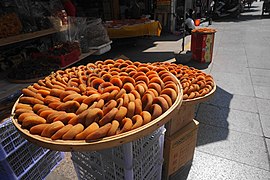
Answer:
(70, 8)
(62, 60)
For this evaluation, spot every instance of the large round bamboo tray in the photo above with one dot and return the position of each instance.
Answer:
(200, 99)
(107, 142)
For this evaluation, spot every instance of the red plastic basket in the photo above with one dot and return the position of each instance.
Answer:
(62, 60)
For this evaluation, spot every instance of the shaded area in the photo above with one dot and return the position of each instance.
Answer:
(250, 13)
(246, 17)
(143, 49)
(182, 173)
(251, 10)
(186, 59)
(215, 112)
(149, 49)
(252, 6)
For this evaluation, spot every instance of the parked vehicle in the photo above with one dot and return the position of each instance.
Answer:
(248, 2)
(226, 8)
(266, 7)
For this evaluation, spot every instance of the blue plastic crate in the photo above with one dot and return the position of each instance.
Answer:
(21, 160)
(10, 139)
(43, 167)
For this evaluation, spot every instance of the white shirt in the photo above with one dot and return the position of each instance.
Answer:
(190, 23)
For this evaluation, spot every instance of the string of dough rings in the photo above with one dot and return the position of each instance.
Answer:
(98, 100)
(195, 83)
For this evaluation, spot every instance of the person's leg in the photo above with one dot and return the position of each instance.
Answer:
(188, 30)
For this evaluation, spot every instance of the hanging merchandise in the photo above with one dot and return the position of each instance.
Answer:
(25, 14)
(31, 70)
(39, 10)
(76, 28)
(58, 15)
(10, 23)
(62, 54)
(96, 33)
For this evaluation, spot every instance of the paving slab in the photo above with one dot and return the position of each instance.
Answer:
(232, 145)
(267, 140)
(232, 51)
(259, 72)
(241, 121)
(225, 99)
(64, 171)
(231, 66)
(260, 50)
(234, 83)
(257, 47)
(232, 44)
(222, 58)
(209, 167)
(259, 61)
(261, 80)
(265, 120)
(257, 42)
(262, 92)
(263, 106)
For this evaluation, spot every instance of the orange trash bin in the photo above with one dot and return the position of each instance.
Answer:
(202, 44)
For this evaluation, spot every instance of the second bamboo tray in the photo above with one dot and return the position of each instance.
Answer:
(200, 99)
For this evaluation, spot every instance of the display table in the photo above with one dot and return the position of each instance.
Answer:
(152, 28)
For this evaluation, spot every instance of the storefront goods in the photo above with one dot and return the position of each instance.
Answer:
(10, 25)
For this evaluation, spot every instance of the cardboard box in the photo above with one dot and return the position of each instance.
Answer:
(185, 116)
(179, 148)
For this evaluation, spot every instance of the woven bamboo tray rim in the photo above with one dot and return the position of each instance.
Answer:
(200, 99)
(107, 142)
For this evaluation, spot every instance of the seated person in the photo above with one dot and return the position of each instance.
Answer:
(189, 23)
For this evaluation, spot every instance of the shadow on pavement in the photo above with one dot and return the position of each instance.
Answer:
(198, 65)
(143, 49)
(214, 113)
(186, 59)
(209, 114)
(252, 6)
(246, 17)
(250, 10)
(182, 174)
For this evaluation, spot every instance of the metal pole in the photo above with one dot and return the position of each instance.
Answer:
(184, 32)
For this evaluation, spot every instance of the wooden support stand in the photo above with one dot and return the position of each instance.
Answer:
(179, 149)
(185, 116)
(181, 137)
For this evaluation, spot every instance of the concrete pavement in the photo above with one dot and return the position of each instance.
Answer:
(233, 139)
